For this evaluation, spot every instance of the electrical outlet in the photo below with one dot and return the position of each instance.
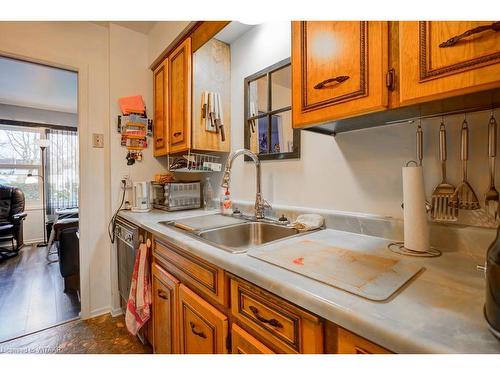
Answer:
(128, 181)
(98, 140)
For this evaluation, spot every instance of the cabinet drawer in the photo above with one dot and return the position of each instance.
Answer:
(287, 327)
(192, 270)
(203, 329)
(244, 343)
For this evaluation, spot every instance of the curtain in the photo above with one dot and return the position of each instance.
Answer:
(61, 170)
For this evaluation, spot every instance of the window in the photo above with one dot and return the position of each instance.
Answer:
(268, 115)
(62, 169)
(20, 155)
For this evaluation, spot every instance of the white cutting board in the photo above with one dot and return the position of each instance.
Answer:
(206, 222)
(371, 276)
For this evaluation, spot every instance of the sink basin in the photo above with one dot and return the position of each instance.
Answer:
(239, 238)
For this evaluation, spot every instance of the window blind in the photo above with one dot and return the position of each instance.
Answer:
(61, 170)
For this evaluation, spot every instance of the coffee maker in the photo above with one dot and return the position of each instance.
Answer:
(141, 197)
(492, 304)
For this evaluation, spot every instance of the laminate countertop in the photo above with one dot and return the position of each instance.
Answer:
(438, 311)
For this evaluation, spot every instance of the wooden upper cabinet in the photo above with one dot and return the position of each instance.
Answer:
(438, 60)
(203, 328)
(165, 307)
(179, 98)
(338, 70)
(160, 142)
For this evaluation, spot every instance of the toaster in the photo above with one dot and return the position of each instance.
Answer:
(176, 196)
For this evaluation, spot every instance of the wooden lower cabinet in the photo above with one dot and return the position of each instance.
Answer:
(203, 328)
(350, 343)
(165, 295)
(200, 309)
(285, 326)
(244, 343)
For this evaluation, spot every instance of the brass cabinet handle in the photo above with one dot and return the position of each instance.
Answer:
(159, 139)
(197, 333)
(162, 294)
(495, 26)
(272, 322)
(176, 134)
(338, 79)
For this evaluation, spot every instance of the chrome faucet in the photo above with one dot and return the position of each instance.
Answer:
(260, 203)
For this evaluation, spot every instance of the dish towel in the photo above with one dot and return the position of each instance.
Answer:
(139, 299)
(308, 222)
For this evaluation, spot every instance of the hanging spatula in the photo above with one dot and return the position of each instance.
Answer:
(464, 196)
(441, 210)
(491, 196)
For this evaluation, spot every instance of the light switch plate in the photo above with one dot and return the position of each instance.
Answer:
(98, 140)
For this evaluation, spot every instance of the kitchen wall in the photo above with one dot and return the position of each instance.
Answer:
(161, 35)
(132, 78)
(358, 171)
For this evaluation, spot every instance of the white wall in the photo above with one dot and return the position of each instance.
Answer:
(161, 35)
(132, 78)
(358, 171)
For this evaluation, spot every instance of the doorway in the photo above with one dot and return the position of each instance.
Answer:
(39, 197)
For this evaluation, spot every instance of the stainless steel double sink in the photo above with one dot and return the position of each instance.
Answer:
(239, 238)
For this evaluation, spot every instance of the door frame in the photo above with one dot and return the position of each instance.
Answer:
(85, 174)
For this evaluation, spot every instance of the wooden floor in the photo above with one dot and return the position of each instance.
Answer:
(100, 335)
(31, 294)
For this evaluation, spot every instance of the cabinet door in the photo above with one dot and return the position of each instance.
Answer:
(179, 98)
(165, 319)
(160, 130)
(203, 329)
(349, 343)
(244, 343)
(338, 70)
(438, 61)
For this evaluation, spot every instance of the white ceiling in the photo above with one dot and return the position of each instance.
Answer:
(37, 86)
(143, 27)
(232, 32)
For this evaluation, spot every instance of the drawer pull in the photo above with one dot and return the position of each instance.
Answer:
(162, 294)
(338, 79)
(495, 26)
(197, 333)
(272, 322)
(177, 134)
(159, 139)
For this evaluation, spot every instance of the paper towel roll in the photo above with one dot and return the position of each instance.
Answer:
(416, 228)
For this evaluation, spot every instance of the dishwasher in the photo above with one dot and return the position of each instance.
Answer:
(128, 239)
(127, 243)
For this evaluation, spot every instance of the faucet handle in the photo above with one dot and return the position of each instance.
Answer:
(266, 204)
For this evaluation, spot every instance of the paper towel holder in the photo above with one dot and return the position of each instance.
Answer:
(428, 205)
(398, 247)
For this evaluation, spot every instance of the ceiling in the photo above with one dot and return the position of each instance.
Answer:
(143, 27)
(32, 85)
(232, 32)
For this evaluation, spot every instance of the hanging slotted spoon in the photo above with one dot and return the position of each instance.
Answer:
(441, 209)
(464, 196)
